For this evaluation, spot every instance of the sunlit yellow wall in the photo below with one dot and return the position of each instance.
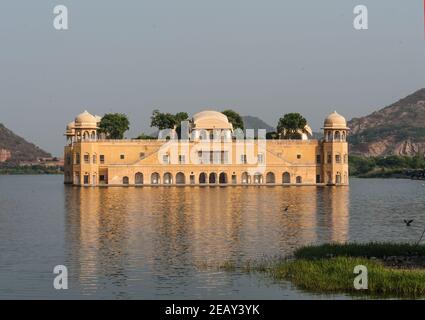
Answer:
(297, 157)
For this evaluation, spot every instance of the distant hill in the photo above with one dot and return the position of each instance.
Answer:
(398, 129)
(14, 149)
(256, 123)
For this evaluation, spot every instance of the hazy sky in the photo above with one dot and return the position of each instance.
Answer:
(261, 58)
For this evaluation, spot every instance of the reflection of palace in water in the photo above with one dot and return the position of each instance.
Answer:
(114, 231)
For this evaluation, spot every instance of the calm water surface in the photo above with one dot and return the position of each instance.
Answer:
(130, 243)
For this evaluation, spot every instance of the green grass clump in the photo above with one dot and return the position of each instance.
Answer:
(329, 268)
(365, 250)
(335, 275)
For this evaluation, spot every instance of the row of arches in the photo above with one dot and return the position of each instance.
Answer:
(212, 178)
(337, 135)
(86, 135)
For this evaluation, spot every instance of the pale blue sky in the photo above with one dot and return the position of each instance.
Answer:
(261, 58)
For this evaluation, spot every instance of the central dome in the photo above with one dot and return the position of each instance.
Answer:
(211, 119)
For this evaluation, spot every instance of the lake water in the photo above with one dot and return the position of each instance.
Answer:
(159, 242)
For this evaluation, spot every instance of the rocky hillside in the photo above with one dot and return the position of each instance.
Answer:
(398, 129)
(14, 149)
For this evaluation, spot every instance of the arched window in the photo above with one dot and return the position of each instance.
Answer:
(213, 178)
(202, 178)
(125, 180)
(155, 178)
(168, 178)
(344, 137)
(222, 178)
(270, 178)
(204, 134)
(286, 177)
(180, 178)
(245, 178)
(258, 178)
(299, 179)
(138, 178)
(337, 136)
(93, 135)
(329, 136)
(338, 177)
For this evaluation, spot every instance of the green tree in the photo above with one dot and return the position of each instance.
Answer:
(162, 120)
(360, 164)
(271, 135)
(418, 162)
(167, 120)
(144, 136)
(289, 125)
(393, 161)
(180, 116)
(114, 125)
(234, 118)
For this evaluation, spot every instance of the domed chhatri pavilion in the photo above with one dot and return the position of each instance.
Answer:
(212, 154)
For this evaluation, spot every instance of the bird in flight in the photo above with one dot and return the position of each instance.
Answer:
(408, 222)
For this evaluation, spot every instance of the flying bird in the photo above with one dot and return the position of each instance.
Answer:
(408, 222)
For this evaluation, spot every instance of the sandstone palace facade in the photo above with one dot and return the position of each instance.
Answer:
(203, 159)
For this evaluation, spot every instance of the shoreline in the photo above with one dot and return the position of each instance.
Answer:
(30, 170)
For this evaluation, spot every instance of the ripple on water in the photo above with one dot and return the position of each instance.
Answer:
(151, 242)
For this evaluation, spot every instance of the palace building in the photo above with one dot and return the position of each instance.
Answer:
(209, 152)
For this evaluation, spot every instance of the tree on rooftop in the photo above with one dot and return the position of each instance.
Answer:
(167, 120)
(144, 136)
(114, 125)
(234, 118)
(290, 125)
